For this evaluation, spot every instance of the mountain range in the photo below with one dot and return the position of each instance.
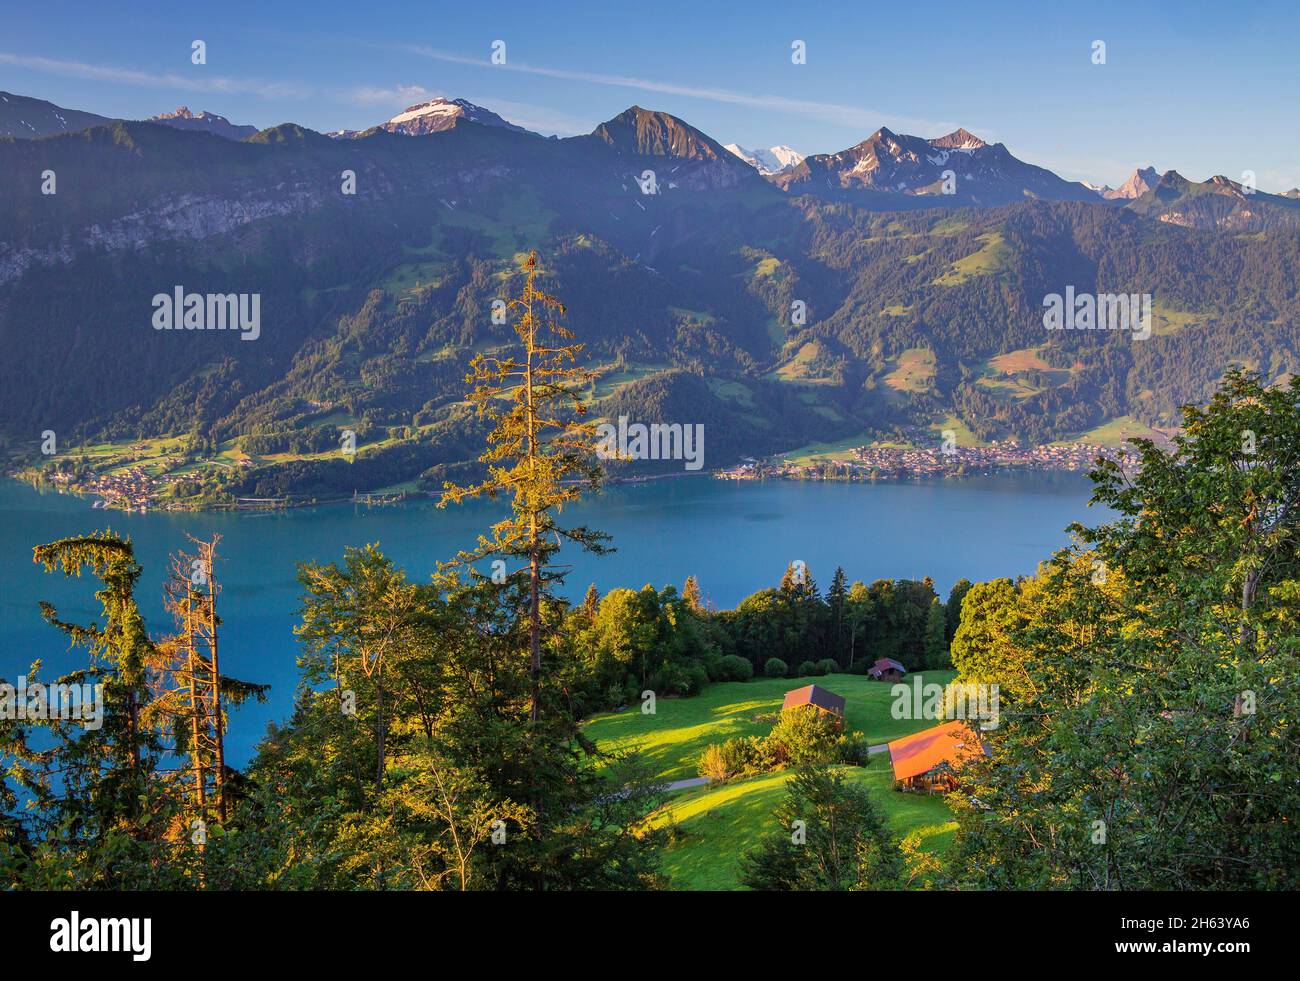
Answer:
(773, 160)
(207, 122)
(844, 297)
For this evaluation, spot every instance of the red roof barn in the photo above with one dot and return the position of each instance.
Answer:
(817, 697)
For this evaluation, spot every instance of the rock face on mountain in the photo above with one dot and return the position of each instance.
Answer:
(438, 115)
(1217, 203)
(646, 133)
(25, 118)
(887, 169)
(678, 154)
(773, 160)
(206, 122)
(1141, 181)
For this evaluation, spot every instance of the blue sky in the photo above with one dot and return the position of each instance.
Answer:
(1204, 88)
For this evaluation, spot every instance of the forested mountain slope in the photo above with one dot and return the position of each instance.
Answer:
(775, 317)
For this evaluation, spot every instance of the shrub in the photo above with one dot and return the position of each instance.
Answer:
(775, 668)
(828, 665)
(736, 757)
(699, 676)
(679, 678)
(713, 764)
(805, 735)
(736, 668)
(714, 665)
(809, 669)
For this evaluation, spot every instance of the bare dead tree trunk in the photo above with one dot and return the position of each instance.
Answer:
(208, 552)
(196, 708)
(534, 564)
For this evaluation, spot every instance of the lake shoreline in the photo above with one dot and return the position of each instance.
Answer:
(735, 474)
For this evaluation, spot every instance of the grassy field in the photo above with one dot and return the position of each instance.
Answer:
(673, 738)
(838, 450)
(716, 825)
(990, 258)
(913, 371)
(1116, 432)
(964, 436)
(800, 368)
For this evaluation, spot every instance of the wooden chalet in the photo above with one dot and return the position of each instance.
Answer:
(929, 760)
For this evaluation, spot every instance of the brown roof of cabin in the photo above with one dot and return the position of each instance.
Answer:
(814, 695)
(951, 743)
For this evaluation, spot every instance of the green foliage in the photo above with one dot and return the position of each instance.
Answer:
(936, 641)
(735, 668)
(737, 757)
(1155, 674)
(805, 734)
(983, 649)
(828, 835)
(811, 669)
(775, 668)
(801, 735)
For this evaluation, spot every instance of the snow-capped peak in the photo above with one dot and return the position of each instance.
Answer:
(434, 107)
(438, 114)
(768, 161)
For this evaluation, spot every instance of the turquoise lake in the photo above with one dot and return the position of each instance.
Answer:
(735, 537)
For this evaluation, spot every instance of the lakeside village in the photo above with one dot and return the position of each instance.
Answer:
(136, 489)
(891, 462)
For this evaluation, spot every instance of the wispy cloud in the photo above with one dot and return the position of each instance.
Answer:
(198, 82)
(850, 117)
(398, 96)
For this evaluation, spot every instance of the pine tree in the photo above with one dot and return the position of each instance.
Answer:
(691, 594)
(936, 642)
(99, 812)
(540, 452)
(836, 598)
(952, 611)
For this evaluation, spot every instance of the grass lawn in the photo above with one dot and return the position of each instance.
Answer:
(717, 824)
(673, 738)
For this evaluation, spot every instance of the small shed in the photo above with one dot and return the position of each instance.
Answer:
(929, 760)
(886, 669)
(817, 697)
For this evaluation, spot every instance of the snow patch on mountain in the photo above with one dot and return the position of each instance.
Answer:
(437, 115)
(769, 161)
